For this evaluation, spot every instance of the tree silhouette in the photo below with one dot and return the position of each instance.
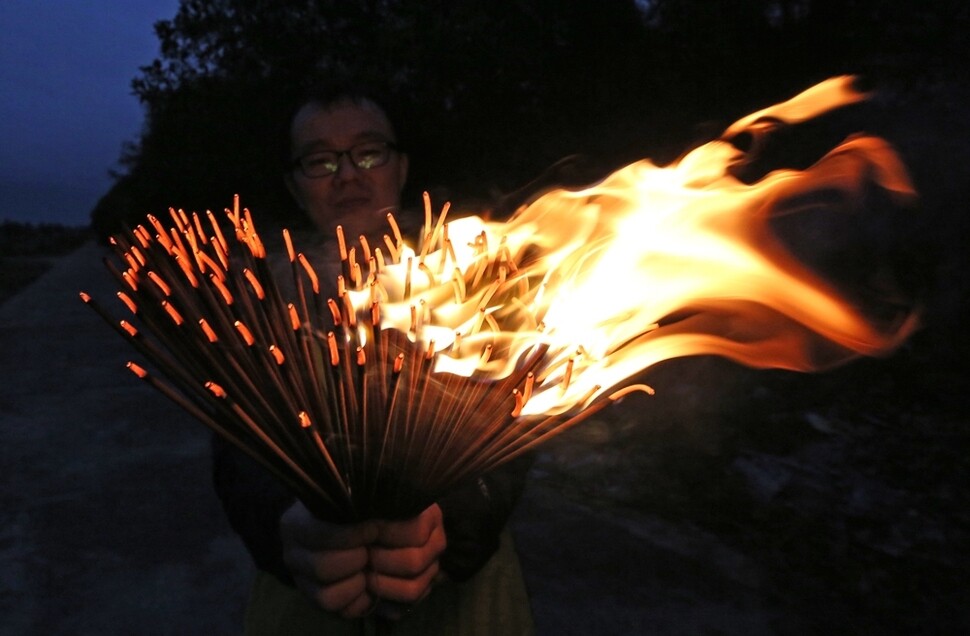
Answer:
(490, 94)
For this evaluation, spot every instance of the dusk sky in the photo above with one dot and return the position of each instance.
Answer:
(66, 106)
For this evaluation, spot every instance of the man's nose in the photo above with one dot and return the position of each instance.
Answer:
(346, 170)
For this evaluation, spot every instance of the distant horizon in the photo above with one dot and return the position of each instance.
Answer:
(44, 202)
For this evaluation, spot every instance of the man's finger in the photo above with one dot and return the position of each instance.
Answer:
(402, 590)
(325, 566)
(412, 532)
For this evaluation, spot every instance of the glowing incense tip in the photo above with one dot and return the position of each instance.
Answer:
(181, 218)
(190, 236)
(332, 345)
(304, 419)
(137, 370)
(643, 388)
(519, 403)
(372, 267)
(398, 363)
(259, 250)
(375, 313)
(85, 297)
(235, 207)
(351, 312)
(407, 279)
(361, 358)
(341, 243)
(309, 270)
(162, 285)
(427, 214)
(197, 223)
(394, 228)
(223, 247)
(568, 375)
(456, 345)
(356, 274)
(277, 354)
(215, 389)
(172, 312)
(159, 228)
(187, 270)
(294, 317)
(221, 287)
(144, 238)
(290, 252)
(254, 282)
(364, 247)
(222, 252)
(126, 299)
(427, 272)
(138, 255)
(429, 354)
(334, 311)
(210, 264)
(207, 330)
(530, 380)
(130, 280)
(244, 331)
(451, 251)
(392, 249)
(132, 261)
(177, 245)
(129, 328)
(486, 354)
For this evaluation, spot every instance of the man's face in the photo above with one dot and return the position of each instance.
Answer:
(356, 198)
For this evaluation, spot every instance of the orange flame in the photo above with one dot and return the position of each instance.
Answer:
(650, 264)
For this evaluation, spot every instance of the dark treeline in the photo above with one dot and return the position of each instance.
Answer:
(39, 239)
(491, 94)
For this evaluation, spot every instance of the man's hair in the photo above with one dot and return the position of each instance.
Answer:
(328, 96)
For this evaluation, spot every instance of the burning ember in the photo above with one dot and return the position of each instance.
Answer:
(447, 358)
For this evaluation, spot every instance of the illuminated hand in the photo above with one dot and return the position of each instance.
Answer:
(404, 560)
(328, 560)
(344, 568)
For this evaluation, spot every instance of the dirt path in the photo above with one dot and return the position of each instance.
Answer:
(109, 525)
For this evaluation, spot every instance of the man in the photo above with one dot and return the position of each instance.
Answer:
(450, 569)
(346, 166)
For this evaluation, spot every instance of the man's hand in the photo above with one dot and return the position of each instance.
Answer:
(404, 560)
(328, 560)
(346, 568)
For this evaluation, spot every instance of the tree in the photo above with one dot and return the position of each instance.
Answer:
(491, 92)
(488, 89)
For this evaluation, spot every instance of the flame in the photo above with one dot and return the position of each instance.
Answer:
(446, 358)
(650, 264)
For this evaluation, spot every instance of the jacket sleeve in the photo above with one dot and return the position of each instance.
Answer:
(475, 512)
(254, 502)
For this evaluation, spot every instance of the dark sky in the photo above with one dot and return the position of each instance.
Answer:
(65, 100)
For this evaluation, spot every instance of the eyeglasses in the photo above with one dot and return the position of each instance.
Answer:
(366, 156)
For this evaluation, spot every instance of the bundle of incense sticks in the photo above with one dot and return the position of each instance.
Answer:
(349, 412)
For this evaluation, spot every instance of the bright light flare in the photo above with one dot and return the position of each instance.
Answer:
(660, 262)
